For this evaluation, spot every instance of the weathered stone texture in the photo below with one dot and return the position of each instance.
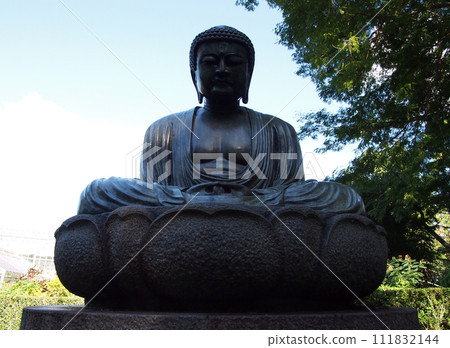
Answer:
(221, 256)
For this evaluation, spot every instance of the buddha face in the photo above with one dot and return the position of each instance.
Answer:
(222, 71)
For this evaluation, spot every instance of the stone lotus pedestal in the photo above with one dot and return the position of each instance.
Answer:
(219, 266)
(219, 257)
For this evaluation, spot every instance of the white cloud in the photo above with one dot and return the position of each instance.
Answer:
(48, 155)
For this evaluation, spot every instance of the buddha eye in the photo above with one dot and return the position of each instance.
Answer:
(209, 60)
(234, 60)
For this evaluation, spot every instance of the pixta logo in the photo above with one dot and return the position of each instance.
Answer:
(150, 156)
(158, 164)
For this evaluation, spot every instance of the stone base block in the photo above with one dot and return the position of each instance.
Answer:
(71, 318)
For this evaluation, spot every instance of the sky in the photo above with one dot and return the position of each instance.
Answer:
(80, 82)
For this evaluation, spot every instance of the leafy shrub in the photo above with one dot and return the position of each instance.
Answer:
(432, 304)
(31, 284)
(11, 307)
(31, 290)
(23, 288)
(444, 280)
(403, 272)
(55, 289)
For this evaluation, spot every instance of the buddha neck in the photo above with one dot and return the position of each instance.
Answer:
(221, 107)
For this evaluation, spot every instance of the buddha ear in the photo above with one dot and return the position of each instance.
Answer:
(200, 97)
(194, 80)
(245, 96)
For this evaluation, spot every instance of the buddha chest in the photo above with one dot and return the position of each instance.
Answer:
(224, 135)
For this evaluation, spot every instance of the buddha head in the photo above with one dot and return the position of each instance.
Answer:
(222, 60)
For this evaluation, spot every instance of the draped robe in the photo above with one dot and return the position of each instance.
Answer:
(269, 135)
(169, 174)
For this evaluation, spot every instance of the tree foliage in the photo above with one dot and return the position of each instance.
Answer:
(388, 63)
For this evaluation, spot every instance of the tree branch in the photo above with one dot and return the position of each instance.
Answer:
(431, 230)
(440, 240)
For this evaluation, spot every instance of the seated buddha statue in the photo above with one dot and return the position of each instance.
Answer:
(220, 152)
(240, 227)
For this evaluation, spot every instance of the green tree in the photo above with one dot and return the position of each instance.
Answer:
(387, 62)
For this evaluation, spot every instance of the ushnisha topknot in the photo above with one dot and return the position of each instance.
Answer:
(224, 33)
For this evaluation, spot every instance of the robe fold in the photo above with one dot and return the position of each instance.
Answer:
(169, 174)
(269, 134)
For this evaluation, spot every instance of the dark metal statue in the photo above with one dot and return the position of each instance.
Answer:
(225, 250)
(223, 151)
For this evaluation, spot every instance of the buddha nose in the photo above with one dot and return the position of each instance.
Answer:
(222, 68)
